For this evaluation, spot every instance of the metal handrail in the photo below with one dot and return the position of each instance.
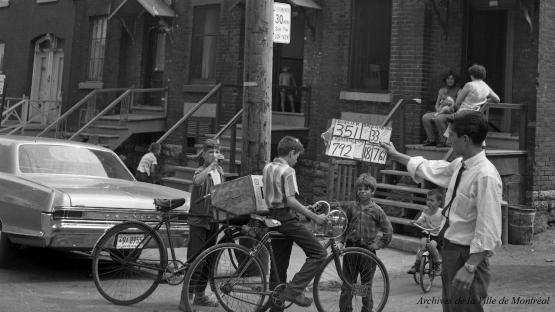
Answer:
(11, 108)
(392, 113)
(230, 123)
(189, 114)
(95, 118)
(68, 112)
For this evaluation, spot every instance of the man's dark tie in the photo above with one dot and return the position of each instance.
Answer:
(446, 210)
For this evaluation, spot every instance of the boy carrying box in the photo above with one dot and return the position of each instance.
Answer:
(201, 228)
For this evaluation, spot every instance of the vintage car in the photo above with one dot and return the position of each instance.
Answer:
(64, 194)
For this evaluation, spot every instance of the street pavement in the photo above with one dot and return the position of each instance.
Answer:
(522, 280)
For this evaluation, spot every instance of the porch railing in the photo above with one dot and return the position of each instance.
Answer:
(523, 112)
(23, 112)
(98, 103)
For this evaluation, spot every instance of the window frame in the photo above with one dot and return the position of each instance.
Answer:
(97, 47)
(357, 86)
(211, 78)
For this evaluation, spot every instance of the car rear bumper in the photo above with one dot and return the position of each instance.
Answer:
(83, 235)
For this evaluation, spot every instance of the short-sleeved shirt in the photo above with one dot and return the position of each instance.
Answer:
(280, 182)
(364, 224)
(431, 221)
(477, 95)
(146, 162)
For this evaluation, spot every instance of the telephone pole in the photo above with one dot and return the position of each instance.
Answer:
(257, 79)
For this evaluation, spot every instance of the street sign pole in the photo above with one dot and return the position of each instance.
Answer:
(257, 82)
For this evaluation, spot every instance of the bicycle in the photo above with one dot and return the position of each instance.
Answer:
(426, 272)
(130, 260)
(238, 291)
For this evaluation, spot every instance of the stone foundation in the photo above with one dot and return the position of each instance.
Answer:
(544, 203)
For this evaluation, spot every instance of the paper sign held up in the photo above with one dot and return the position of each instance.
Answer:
(356, 140)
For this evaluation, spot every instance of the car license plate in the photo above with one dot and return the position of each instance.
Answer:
(128, 241)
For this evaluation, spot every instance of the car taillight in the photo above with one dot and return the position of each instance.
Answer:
(66, 214)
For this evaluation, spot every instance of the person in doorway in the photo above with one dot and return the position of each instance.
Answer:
(287, 87)
(147, 169)
(366, 220)
(280, 188)
(431, 219)
(471, 228)
(201, 227)
(435, 123)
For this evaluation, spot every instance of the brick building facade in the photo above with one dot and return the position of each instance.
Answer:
(421, 38)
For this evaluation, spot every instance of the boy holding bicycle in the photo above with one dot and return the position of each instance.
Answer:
(366, 219)
(200, 227)
(431, 219)
(280, 187)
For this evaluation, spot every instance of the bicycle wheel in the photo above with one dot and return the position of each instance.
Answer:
(236, 288)
(426, 273)
(128, 263)
(353, 280)
(247, 242)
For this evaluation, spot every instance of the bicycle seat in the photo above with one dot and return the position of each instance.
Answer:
(268, 222)
(167, 204)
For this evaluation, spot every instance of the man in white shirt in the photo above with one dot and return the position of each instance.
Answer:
(471, 227)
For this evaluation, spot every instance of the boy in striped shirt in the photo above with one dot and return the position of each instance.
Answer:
(280, 185)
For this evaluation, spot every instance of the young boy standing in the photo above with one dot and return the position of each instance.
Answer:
(280, 185)
(366, 219)
(201, 228)
(431, 219)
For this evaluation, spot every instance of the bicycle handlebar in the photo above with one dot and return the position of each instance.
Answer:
(427, 230)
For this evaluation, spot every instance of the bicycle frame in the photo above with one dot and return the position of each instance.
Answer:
(166, 220)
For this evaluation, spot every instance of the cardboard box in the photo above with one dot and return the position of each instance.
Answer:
(237, 197)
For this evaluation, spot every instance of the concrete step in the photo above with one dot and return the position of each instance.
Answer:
(147, 110)
(403, 188)
(395, 172)
(394, 203)
(106, 129)
(502, 140)
(428, 152)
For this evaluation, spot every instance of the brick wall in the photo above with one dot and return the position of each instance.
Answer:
(543, 179)
(21, 23)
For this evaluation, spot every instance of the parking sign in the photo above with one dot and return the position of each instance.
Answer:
(282, 22)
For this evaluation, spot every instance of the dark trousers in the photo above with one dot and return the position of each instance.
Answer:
(314, 251)
(462, 300)
(143, 177)
(353, 265)
(198, 242)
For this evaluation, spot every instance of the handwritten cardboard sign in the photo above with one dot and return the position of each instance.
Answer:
(356, 140)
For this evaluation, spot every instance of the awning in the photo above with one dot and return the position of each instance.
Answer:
(306, 3)
(154, 7)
